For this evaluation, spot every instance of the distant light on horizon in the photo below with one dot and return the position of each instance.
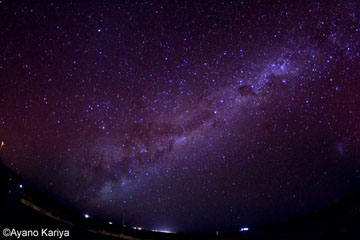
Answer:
(110, 223)
(244, 229)
(20, 186)
(162, 231)
(86, 216)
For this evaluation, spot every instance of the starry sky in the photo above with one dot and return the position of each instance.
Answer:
(190, 115)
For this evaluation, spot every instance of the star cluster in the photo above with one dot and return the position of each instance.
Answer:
(191, 116)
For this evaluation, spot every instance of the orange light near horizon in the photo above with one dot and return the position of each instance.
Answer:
(2, 145)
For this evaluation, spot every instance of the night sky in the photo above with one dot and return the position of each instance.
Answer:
(191, 116)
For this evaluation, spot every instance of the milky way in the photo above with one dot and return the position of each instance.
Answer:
(190, 116)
